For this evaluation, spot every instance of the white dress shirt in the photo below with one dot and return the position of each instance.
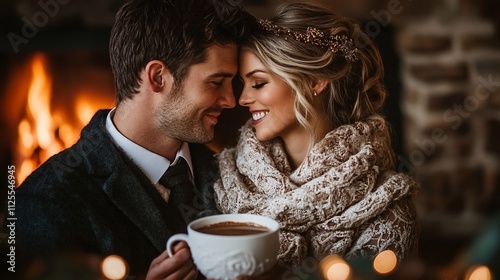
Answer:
(153, 165)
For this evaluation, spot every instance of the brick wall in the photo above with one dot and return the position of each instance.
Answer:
(450, 102)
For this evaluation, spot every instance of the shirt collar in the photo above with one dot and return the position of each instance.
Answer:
(153, 165)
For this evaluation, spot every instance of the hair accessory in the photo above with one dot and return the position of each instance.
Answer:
(336, 43)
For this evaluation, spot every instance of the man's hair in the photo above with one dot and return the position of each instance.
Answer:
(176, 32)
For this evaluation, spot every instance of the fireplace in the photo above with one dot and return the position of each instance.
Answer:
(48, 98)
(55, 75)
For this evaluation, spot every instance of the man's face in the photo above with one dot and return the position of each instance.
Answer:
(191, 110)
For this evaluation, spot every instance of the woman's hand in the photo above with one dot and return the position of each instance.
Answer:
(179, 266)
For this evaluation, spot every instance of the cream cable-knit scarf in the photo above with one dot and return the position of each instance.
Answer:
(342, 199)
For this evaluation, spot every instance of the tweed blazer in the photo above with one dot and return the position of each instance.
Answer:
(91, 198)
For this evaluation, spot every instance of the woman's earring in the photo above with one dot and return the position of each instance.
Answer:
(315, 93)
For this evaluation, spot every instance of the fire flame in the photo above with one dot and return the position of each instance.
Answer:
(43, 132)
(39, 103)
(36, 141)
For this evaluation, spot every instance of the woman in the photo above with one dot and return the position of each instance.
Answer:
(316, 155)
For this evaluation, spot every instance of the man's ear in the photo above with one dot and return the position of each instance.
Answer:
(158, 75)
(319, 85)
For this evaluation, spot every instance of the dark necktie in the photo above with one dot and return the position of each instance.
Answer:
(177, 180)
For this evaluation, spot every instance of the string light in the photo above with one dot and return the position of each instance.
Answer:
(385, 262)
(334, 267)
(480, 272)
(114, 267)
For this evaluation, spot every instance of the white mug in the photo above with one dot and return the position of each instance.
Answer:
(230, 256)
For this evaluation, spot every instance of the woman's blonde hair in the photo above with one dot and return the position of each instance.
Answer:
(354, 90)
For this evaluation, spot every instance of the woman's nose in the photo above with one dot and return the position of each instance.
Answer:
(245, 98)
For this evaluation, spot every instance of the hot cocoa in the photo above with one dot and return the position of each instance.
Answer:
(233, 228)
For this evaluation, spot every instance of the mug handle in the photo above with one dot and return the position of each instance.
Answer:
(175, 238)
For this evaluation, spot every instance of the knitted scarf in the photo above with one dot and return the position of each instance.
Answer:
(343, 198)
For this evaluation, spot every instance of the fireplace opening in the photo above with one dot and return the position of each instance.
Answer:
(48, 99)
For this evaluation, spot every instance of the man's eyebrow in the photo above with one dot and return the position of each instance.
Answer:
(253, 72)
(221, 75)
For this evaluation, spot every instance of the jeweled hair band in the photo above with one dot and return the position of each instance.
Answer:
(337, 43)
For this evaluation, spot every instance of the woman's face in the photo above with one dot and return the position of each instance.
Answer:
(269, 99)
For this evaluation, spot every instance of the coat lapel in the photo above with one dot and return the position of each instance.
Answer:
(126, 192)
(125, 187)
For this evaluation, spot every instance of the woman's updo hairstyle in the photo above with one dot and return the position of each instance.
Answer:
(288, 46)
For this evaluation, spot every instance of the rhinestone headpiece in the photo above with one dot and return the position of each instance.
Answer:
(336, 43)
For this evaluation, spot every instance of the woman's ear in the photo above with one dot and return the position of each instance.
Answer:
(319, 85)
(157, 75)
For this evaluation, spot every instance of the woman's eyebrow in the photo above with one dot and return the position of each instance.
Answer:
(253, 72)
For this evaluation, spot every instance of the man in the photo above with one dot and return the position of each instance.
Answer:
(173, 62)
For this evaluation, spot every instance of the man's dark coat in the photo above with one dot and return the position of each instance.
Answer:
(91, 198)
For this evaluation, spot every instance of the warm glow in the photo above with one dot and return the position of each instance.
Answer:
(36, 140)
(481, 272)
(27, 139)
(39, 102)
(45, 128)
(334, 267)
(27, 167)
(338, 271)
(84, 109)
(68, 134)
(114, 267)
(385, 262)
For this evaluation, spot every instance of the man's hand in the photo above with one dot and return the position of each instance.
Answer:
(179, 266)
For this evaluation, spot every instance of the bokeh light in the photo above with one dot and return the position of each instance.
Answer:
(334, 267)
(385, 262)
(114, 267)
(480, 272)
